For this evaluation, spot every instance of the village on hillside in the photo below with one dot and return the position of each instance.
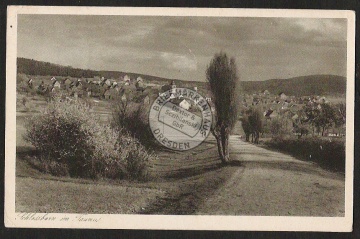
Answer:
(291, 109)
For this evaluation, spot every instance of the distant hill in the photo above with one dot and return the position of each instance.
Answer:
(41, 68)
(298, 86)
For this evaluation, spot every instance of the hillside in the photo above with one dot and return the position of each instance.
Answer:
(298, 86)
(41, 68)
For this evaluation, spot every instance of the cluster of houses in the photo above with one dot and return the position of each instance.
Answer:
(272, 105)
(135, 89)
(279, 104)
(102, 88)
(182, 101)
(286, 107)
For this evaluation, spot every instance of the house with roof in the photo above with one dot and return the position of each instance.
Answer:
(185, 104)
(285, 105)
(282, 96)
(56, 84)
(116, 87)
(126, 80)
(139, 84)
(76, 89)
(107, 82)
(107, 95)
(267, 113)
(173, 87)
(266, 92)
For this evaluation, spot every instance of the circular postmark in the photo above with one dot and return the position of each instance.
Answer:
(180, 119)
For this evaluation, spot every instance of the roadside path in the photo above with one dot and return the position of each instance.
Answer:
(272, 183)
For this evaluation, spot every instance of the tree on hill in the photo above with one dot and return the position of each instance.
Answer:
(224, 85)
(325, 118)
(340, 114)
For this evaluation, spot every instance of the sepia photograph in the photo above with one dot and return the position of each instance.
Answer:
(158, 118)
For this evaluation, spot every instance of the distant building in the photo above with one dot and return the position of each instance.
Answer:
(173, 87)
(107, 95)
(185, 104)
(127, 80)
(268, 113)
(283, 96)
(116, 87)
(107, 82)
(56, 84)
(285, 105)
(139, 84)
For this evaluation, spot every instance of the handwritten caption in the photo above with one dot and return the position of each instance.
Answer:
(53, 217)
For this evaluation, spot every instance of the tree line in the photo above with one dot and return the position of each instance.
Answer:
(33, 67)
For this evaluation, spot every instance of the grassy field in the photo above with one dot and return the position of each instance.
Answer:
(181, 179)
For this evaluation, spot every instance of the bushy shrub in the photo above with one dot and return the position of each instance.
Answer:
(133, 118)
(67, 133)
(22, 85)
(136, 159)
(277, 128)
(327, 153)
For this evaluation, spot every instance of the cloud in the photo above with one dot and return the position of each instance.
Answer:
(182, 47)
(180, 62)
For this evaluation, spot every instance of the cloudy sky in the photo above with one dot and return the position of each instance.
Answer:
(182, 47)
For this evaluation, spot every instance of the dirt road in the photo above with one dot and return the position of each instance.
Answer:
(272, 183)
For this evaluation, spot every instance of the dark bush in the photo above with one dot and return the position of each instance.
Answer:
(327, 153)
(133, 118)
(67, 133)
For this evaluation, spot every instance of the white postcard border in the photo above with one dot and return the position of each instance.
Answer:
(256, 223)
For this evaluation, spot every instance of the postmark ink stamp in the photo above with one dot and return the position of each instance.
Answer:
(180, 119)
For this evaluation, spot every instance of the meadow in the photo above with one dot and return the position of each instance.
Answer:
(171, 190)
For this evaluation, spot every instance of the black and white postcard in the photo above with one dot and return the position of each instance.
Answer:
(179, 118)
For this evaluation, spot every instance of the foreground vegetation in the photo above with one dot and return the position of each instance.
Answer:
(327, 153)
(71, 141)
